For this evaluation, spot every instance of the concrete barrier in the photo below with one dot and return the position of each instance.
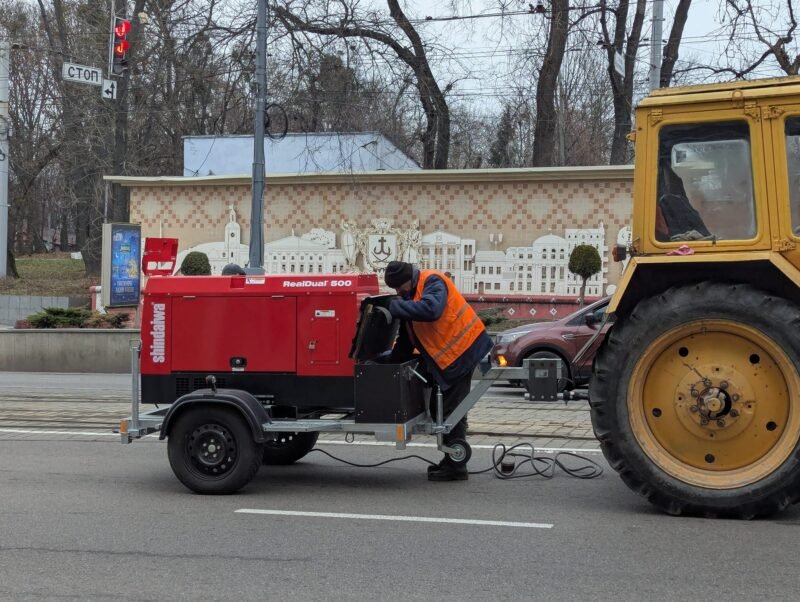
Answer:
(66, 350)
(19, 307)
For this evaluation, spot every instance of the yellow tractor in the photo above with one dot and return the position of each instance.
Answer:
(695, 392)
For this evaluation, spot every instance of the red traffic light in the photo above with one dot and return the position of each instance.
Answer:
(122, 28)
(121, 47)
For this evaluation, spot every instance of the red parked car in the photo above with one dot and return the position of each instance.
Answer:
(561, 339)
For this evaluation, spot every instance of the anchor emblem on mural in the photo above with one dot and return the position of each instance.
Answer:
(383, 253)
(379, 243)
(382, 250)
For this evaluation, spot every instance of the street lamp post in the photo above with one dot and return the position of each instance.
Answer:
(256, 264)
(5, 51)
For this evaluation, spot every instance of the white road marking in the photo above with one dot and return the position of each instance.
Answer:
(544, 450)
(408, 519)
(41, 432)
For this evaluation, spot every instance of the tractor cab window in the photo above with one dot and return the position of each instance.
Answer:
(705, 183)
(793, 164)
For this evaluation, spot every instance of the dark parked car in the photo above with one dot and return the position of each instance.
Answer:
(561, 339)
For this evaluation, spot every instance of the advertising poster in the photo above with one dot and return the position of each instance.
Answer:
(125, 261)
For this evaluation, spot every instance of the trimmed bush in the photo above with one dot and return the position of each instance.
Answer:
(60, 317)
(196, 264)
(73, 317)
(584, 262)
(98, 320)
(492, 315)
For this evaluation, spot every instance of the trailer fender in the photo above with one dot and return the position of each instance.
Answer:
(248, 406)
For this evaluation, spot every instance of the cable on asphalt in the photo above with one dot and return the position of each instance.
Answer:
(540, 466)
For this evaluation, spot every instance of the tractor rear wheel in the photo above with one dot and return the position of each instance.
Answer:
(695, 399)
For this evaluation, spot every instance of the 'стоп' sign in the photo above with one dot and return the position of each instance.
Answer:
(82, 74)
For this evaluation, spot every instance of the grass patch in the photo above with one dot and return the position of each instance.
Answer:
(51, 275)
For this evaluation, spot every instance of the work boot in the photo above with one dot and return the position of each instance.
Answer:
(449, 472)
(433, 467)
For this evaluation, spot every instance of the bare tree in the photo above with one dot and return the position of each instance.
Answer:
(83, 122)
(584, 111)
(472, 133)
(582, 118)
(190, 75)
(772, 23)
(614, 40)
(33, 145)
(402, 38)
(544, 137)
(671, 50)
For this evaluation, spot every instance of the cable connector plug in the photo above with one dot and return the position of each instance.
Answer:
(508, 464)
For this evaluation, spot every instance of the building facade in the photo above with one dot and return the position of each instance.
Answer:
(497, 232)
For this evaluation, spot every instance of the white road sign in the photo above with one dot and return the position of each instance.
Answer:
(109, 89)
(82, 74)
(619, 64)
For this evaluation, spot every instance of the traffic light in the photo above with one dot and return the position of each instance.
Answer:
(120, 46)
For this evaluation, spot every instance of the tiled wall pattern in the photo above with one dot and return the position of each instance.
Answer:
(521, 210)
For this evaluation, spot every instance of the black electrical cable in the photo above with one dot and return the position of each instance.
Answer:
(268, 122)
(389, 461)
(544, 467)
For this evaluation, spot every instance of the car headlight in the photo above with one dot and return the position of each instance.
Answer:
(511, 336)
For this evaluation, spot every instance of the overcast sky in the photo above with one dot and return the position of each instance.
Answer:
(481, 53)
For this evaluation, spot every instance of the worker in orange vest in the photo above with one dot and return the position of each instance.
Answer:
(449, 335)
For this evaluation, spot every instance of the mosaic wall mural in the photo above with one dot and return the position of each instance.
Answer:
(535, 269)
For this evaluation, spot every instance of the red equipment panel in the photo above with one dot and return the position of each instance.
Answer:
(208, 333)
(325, 329)
(159, 256)
(217, 324)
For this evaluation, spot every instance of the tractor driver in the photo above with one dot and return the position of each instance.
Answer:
(442, 326)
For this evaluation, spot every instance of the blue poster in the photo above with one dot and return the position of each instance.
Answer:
(125, 261)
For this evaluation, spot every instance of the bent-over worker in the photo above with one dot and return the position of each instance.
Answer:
(449, 335)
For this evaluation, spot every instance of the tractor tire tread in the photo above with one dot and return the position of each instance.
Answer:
(608, 391)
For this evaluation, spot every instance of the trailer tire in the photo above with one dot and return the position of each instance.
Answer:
(288, 448)
(212, 451)
(461, 453)
(695, 399)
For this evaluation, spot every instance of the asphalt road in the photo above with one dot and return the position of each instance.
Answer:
(98, 520)
(37, 382)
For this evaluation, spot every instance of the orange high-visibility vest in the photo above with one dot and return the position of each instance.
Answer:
(451, 335)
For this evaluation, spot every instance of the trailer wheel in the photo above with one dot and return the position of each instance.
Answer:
(461, 453)
(696, 400)
(212, 451)
(288, 448)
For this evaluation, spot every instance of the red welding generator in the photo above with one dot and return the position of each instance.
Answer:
(249, 369)
(285, 339)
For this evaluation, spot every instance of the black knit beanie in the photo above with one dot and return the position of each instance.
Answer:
(398, 273)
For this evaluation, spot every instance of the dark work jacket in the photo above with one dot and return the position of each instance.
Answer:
(428, 309)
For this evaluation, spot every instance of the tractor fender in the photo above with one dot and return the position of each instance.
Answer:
(245, 403)
(646, 276)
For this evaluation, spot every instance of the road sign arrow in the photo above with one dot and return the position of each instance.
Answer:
(109, 89)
